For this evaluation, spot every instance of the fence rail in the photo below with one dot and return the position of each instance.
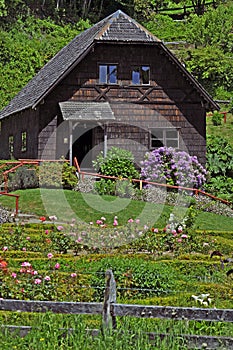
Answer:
(141, 182)
(109, 310)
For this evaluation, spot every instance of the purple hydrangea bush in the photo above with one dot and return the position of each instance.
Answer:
(169, 166)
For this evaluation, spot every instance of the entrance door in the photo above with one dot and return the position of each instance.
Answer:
(82, 146)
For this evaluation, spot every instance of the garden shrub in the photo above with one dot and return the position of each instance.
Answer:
(220, 167)
(119, 163)
(24, 177)
(217, 118)
(177, 168)
(69, 177)
(57, 174)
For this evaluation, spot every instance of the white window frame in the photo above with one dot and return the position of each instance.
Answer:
(106, 71)
(165, 137)
(137, 75)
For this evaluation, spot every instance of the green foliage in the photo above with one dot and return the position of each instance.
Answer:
(24, 177)
(217, 118)
(118, 163)
(69, 177)
(57, 174)
(219, 156)
(25, 49)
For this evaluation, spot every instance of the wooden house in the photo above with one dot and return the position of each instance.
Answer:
(114, 84)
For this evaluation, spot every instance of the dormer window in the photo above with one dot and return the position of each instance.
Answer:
(107, 74)
(141, 75)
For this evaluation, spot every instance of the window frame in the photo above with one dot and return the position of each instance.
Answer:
(139, 70)
(11, 145)
(164, 139)
(108, 73)
(23, 141)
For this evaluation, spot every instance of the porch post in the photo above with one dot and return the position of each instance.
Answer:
(105, 141)
(71, 142)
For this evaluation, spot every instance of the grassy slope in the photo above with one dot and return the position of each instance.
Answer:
(90, 207)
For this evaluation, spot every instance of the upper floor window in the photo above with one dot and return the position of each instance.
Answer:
(23, 141)
(107, 74)
(141, 75)
(164, 137)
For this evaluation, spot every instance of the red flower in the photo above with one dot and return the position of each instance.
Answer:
(42, 218)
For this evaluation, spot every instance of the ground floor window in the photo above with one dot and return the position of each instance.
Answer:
(160, 137)
(23, 141)
(11, 145)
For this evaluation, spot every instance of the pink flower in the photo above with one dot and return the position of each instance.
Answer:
(184, 236)
(50, 255)
(37, 281)
(155, 230)
(52, 218)
(179, 240)
(24, 249)
(78, 240)
(130, 220)
(26, 264)
(14, 275)
(34, 272)
(47, 278)
(57, 266)
(60, 228)
(46, 232)
(99, 222)
(115, 222)
(73, 274)
(137, 221)
(5, 248)
(28, 238)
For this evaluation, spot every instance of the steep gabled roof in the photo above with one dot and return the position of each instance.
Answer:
(117, 27)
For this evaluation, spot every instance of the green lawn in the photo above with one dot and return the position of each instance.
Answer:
(88, 207)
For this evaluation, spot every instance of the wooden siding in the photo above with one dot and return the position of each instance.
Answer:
(168, 101)
(15, 125)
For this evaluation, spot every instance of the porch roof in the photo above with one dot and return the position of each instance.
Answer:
(86, 111)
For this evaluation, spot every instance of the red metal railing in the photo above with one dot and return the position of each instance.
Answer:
(141, 182)
(16, 196)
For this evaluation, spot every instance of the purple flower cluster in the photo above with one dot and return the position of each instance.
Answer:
(177, 168)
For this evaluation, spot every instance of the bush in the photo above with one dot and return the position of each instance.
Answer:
(119, 163)
(23, 178)
(217, 118)
(57, 174)
(177, 168)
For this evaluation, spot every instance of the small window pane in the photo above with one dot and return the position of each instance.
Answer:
(172, 143)
(156, 143)
(145, 74)
(112, 75)
(171, 134)
(136, 76)
(11, 145)
(24, 141)
(103, 74)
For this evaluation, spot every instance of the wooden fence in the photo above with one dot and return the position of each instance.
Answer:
(109, 310)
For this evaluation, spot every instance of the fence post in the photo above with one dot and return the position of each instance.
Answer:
(108, 314)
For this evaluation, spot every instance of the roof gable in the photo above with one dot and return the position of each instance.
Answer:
(117, 27)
